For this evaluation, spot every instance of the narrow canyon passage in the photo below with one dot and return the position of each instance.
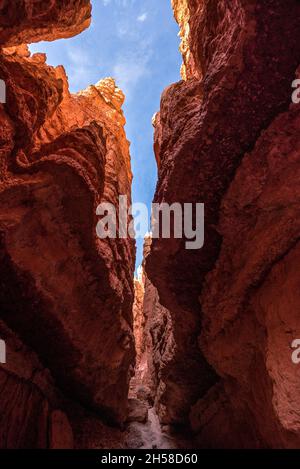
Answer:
(193, 350)
(147, 427)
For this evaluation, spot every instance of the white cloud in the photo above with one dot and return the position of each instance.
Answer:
(142, 17)
(78, 56)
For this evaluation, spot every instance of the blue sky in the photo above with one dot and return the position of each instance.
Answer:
(136, 42)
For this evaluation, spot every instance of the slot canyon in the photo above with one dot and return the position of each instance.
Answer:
(195, 350)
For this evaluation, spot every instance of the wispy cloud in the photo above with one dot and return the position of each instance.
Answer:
(131, 63)
(131, 67)
(142, 17)
(80, 64)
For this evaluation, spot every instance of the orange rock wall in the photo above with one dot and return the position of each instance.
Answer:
(65, 294)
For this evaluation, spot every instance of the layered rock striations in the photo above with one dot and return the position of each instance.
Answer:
(65, 295)
(228, 136)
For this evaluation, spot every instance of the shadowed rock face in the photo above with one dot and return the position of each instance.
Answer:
(228, 136)
(26, 21)
(31, 415)
(65, 294)
(177, 373)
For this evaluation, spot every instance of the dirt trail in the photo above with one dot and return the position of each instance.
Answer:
(151, 434)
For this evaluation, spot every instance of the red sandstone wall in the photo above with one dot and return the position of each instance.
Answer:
(220, 320)
(177, 373)
(228, 136)
(65, 295)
